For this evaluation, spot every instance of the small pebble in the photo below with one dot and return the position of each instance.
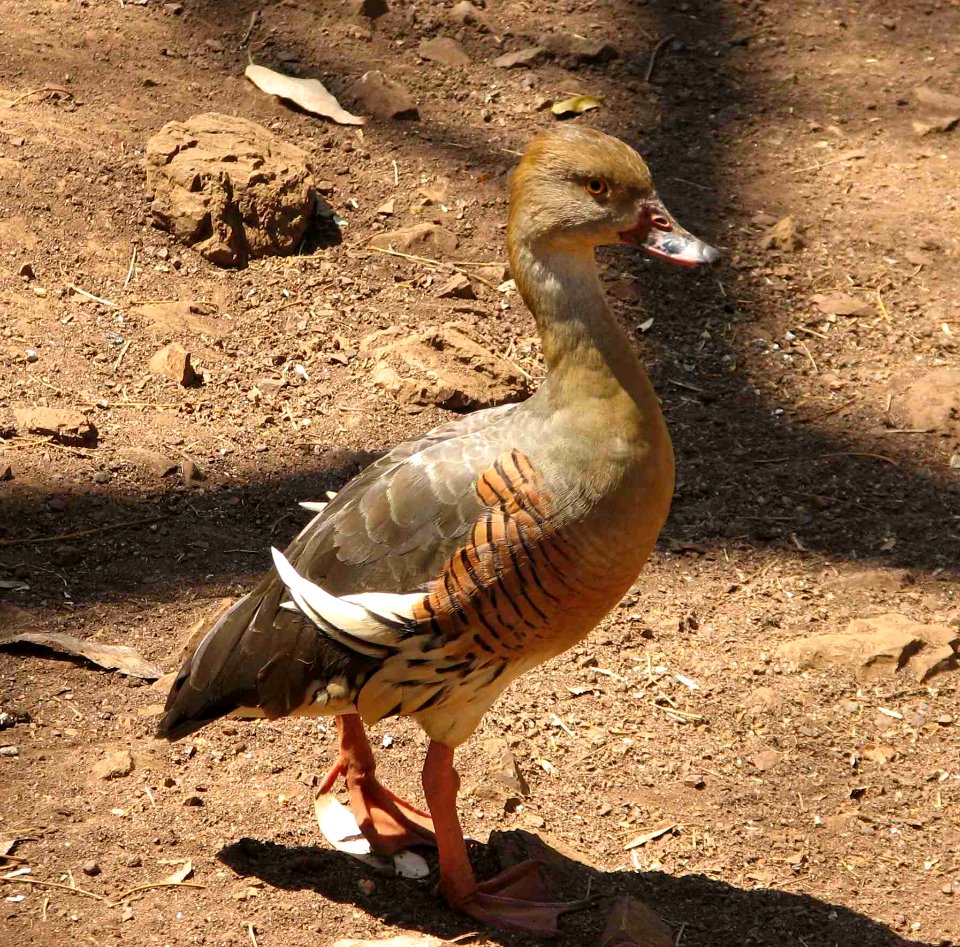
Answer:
(101, 476)
(9, 751)
(91, 868)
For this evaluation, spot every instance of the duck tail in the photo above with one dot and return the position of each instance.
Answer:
(214, 679)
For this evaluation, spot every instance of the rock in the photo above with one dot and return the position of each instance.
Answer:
(173, 362)
(91, 868)
(457, 287)
(421, 239)
(929, 403)
(575, 49)
(940, 111)
(114, 766)
(842, 304)
(102, 476)
(371, 9)
(766, 759)
(179, 317)
(879, 646)
(784, 235)
(466, 14)
(632, 924)
(503, 766)
(441, 366)
(189, 471)
(64, 425)
(522, 58)
(384, 97)
(156, 463)
(230, 188)
(932, 661)
(444, 50)
(386, 208)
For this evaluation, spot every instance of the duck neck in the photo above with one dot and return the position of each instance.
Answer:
(586, 353)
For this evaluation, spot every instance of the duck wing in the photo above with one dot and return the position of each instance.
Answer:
(390, 530)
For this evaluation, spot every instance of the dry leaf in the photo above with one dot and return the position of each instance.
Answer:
(309, 94)
(112, 657)
(937, 101)
(339, 827)
(841, 304)
(577, 105)
(180, 875)
(650, 835)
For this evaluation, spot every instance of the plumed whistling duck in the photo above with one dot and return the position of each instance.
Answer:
(460, 560)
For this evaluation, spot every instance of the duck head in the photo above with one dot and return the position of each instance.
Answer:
(577, 188)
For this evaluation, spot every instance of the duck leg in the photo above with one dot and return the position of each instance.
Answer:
(516, 899)
(388, 822)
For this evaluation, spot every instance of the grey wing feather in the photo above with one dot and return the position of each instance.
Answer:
(394, 524)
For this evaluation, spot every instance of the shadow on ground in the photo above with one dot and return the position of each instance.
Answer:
(703, 912)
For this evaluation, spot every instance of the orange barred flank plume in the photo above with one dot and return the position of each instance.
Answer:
(505, 583)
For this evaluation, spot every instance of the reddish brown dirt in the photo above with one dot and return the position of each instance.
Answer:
(792, 469)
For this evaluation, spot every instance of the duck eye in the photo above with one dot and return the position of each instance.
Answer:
(597, 187)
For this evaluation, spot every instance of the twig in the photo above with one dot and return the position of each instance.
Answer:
(49, 442)
(883, 307)
(908, 430)
(829, 411)
(54, 884)
(817, 167)
(688, 386)
(46, 88)
(813, 332)
(123, 352)
(803, 345)
(141, 404)
(396, 174)
(253, 22)
(653, 56)
(856, 453)
(699, 187)
(253, 934)
(158, 884)
(96, 299)
(132, 268)
(82, 533)
(440, 264)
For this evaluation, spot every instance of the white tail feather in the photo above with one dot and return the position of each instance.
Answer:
(349, 621)
(314, 506)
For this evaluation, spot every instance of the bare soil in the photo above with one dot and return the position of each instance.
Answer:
(802, 813)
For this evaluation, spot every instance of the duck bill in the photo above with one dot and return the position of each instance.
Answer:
(659, 235)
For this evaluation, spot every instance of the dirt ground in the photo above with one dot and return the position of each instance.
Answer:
(807, 808)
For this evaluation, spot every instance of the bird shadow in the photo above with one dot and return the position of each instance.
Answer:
(701, 910)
